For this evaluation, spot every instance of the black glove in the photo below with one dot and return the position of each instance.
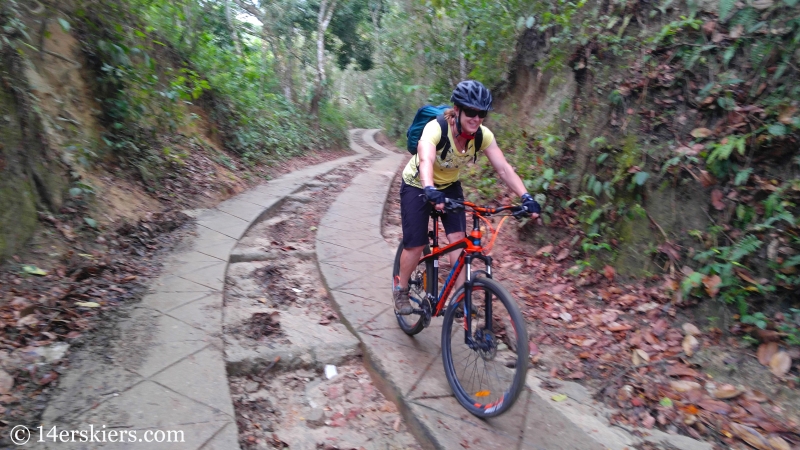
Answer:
(433, 195)
(530, 204)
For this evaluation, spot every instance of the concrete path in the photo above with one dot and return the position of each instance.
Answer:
(165, 370)
(356, 264)
(164, 367)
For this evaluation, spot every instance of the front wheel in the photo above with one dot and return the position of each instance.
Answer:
(420, 283)
(488, 373)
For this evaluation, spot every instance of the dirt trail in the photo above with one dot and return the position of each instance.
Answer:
(282, 331)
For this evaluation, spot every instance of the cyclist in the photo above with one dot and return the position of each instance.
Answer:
(428, 180)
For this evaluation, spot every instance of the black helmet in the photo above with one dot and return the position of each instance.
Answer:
(472, 94)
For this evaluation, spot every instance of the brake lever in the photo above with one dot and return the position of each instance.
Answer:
(452, 205)
(521, 214)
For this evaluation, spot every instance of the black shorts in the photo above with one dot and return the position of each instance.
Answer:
(415, 212)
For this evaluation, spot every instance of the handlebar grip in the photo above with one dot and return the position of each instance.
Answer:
(452, 204)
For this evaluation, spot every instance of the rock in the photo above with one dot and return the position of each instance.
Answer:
(315, 418)
(53, 353)
(251, 386)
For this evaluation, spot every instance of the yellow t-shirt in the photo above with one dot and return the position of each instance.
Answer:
(445, 171)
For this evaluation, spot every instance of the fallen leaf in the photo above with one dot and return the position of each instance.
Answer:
(690, 329)
(716, 200)
(6, 382)
(33, 270)
(715, 406)
(533, 349)
(712, 284)
(609, 272)
(562, 254)
(778, 443)
(727, 391)
(559, 397)
(700, 133)
(648, 422)
(683, 385)
(750, 436)
(766, 351)
(614, 326)
(706, 179)
(576, 375)
(690, 344)
(680, 370)
(786, 113)
(666, 402)
(639, 357)
(47, 379)
(545, 249)
(588, 342)
(649, 306)
(780, 363)
(88, 304)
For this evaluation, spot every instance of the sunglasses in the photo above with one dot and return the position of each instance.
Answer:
(474, 112)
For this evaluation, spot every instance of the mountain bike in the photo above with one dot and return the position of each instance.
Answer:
(486, 367)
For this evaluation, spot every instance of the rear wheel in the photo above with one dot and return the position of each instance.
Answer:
(420, 283)
(488, 375)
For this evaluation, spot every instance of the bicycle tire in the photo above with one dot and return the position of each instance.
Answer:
(414, 323)
(475, 394)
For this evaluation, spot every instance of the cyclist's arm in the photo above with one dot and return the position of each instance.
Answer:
(427, 154)
(504, 169)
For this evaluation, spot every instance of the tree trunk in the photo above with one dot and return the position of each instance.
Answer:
(232, 28)
(323, 20)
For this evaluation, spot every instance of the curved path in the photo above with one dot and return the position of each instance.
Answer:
(164, 368)
(356, 264)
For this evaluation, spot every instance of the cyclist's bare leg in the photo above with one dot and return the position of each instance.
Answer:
(453, 256)
(408, 261)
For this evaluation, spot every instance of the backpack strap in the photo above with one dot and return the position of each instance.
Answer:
(444, 142)
(478, 143)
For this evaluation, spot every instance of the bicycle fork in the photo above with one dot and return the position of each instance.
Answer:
(485, 341)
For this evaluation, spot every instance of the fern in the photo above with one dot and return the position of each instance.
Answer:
(746, 17)
(725, 7)
(744, 247)
(760, 52)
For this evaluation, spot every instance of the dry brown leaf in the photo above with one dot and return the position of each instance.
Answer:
(562, 255)
(6, 382)
(683, 385)
(609, 272)
(766, 351)
(639, 357)
(751, 436)
(786, 113)
(716, 200)
(545, 249)
(716, 406)
(690, 344)
(726, 391)
(712, 284)
(614, 326)
(778, 443)
(737, 31)
(690, 329)
(706, 179)
(700, 133)
(780, 363)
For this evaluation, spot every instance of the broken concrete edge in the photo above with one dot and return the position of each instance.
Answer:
(287, 358)
(254, 256)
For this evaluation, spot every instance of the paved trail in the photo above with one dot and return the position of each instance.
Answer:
(165, 368)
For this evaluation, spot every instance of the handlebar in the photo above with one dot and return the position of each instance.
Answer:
(452, 205)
